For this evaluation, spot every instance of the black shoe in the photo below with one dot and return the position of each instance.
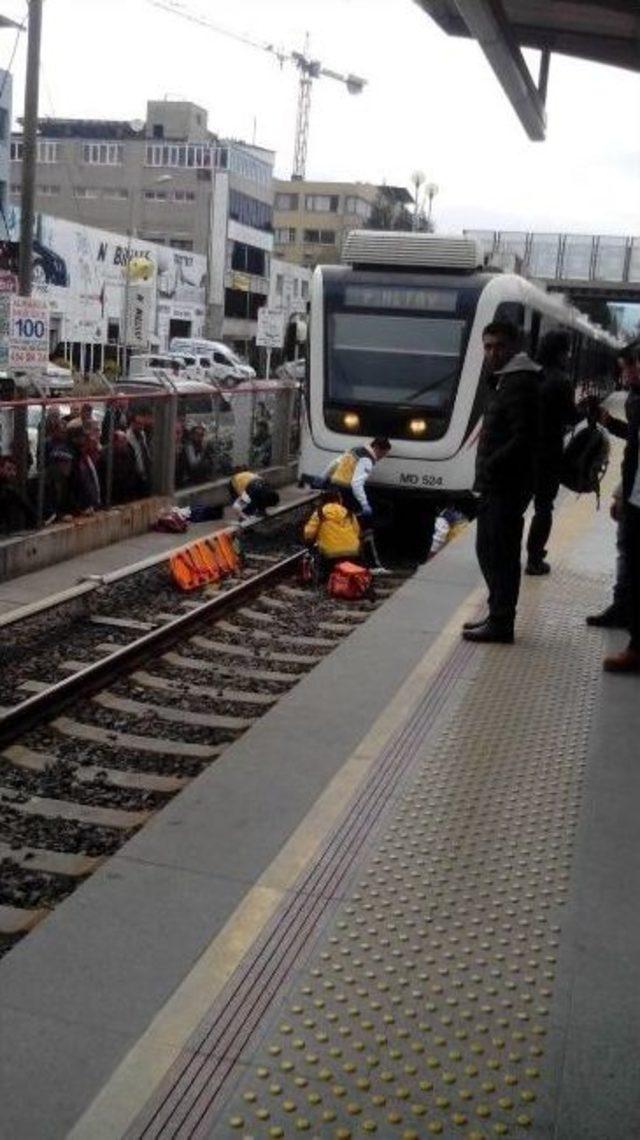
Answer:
(537, 568)
(611, 618)
(489, 631)
(475, 624)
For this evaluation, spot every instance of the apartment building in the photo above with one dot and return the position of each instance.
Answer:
(311, 219)
(172, 181)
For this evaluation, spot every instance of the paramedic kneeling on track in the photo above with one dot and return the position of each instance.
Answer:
(348, 475)
(254, 494)
(333, 532)
(504, 476)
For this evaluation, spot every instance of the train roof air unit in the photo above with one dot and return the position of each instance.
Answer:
(396, 249)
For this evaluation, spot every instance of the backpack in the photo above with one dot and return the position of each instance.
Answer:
(585, 460)
(350, 582)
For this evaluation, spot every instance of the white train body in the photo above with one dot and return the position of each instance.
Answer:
(395, 349)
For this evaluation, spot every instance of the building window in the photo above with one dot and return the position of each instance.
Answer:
(46, 151)
(279, 284)
(48, 191)
(287, 201)
(304, 290)
(285, 235)
(102, 154)
(248, 259)
(86, 192)
(243, 305)
(320, 237)
(115, 193)
(4, 124)
(158, 131)
(358, 206)
(184, 196)
(322, 203)
(250, 211)
(155, 195)
(180, 243)
(16, 187)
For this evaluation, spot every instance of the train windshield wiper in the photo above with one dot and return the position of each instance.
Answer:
(435, 384)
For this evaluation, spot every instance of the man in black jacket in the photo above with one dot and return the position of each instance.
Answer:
(504, 475)
(557, 412)
(628, 661)
(616, 615)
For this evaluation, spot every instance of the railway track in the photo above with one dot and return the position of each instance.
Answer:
(90, 754)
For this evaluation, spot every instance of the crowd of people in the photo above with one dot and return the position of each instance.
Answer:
(529, 407)
(90, 463)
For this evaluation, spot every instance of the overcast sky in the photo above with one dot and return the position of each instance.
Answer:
(432, 103)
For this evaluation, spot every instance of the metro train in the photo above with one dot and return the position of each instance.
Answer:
(395, 349)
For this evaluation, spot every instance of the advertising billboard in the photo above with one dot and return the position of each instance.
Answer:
(81, 274)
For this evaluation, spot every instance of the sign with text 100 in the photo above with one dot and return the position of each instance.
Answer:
(24, 333)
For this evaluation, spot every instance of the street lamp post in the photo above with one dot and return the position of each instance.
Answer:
(431, 191)
(160, 180)
(417, 179)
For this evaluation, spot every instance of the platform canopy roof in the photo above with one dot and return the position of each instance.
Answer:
(587, 29)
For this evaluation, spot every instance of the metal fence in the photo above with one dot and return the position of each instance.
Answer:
(567, 257)
(62, 458)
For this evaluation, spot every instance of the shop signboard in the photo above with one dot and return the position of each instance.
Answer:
(24, 333)
(270, 328)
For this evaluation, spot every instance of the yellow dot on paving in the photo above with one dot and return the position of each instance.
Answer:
(394, 1118)
(410, 1134)
(369, 1126)
(505, 1102)
(501, 1129)
(250, 1097)
(276, 1133)
(459, 1118)
(328, 1115)
(314, 1098)
(483, 1111)
(354, 1109)
(343, 1134)
(236, 1121)
(262, 1072)
(288, 1106)
(434, 1126)
(527, 1096)
(442, 1101)
(302, 1124)
(263, 1114)
(524, 1121)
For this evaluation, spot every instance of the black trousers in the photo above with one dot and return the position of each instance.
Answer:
(499, 528)
(631, 525)
(542, 521)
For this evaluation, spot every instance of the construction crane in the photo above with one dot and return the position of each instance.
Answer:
(308, 68)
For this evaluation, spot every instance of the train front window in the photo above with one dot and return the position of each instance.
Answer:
(377, 358)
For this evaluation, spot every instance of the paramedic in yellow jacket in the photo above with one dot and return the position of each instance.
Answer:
(252, 495)
(349, 475)
(333, 531)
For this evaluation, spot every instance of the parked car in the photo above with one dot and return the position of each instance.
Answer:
(292, 370)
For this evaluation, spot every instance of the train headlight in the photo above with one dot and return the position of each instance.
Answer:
(417, 427)
(351, 420)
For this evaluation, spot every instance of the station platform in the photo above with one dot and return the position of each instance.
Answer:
(403, 904)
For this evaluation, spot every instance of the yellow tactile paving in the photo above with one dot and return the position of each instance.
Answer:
(425, 1009)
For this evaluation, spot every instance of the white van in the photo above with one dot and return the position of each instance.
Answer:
(215, 358)
(146, 363)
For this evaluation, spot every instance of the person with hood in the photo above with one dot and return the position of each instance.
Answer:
(505, 467)
(332, 532)
(557, 413)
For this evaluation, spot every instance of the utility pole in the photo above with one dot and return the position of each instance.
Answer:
(30, 145)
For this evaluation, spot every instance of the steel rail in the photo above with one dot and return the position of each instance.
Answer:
(31, 713)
